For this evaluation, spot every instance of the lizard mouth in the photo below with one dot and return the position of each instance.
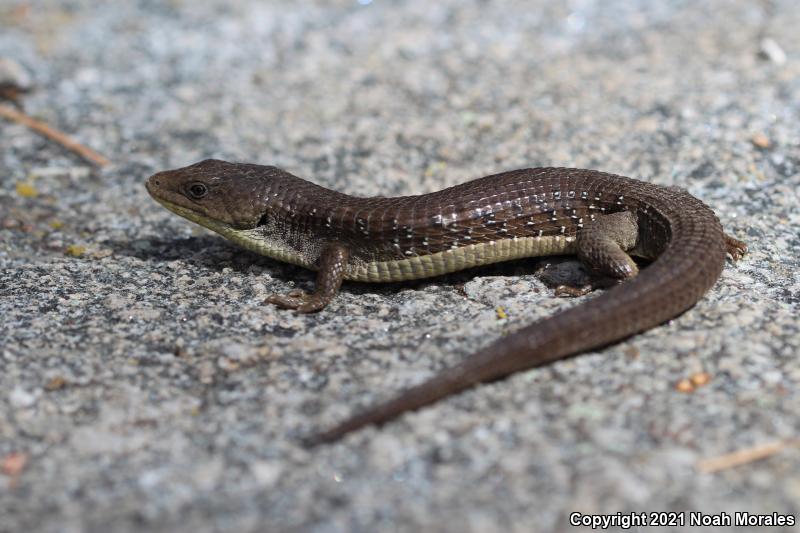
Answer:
(163, 197)
(194, 216)
(170, 199)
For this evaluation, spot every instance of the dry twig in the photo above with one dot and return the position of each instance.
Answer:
(53, 134)
(744, 456)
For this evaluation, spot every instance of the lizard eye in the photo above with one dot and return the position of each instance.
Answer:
(197, 190)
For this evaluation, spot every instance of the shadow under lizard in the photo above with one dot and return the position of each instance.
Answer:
(602, 218)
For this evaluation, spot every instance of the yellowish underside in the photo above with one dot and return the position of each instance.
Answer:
(425, 266)
(416, 267)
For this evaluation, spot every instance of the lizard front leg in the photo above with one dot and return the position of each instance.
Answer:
(332, 265)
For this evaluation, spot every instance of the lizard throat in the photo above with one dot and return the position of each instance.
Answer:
(256, 239)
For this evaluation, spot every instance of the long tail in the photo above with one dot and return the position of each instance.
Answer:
(688, 267)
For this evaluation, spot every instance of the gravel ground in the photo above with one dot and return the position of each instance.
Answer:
(144, 386)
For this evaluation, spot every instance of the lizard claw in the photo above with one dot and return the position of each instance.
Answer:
(568, 291)
(735, 247)
(291, 300)
(298, 300)
(296, 293)
(596, 282)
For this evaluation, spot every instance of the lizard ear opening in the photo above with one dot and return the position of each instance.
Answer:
(262, 221)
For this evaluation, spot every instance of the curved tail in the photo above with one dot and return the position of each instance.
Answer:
(686, 269)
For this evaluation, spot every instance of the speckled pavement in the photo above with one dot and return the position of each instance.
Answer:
(143, 385)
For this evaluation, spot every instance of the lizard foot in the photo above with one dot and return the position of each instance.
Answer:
(298, 300)
(735, 247)
(568, 291)
(596, 282)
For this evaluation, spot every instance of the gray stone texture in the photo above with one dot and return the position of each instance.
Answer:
(148, 387)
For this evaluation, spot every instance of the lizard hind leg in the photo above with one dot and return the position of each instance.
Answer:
(602, 247)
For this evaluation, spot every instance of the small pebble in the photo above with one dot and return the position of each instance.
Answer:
(22, 398)
(13, 464)
(699, 379)
(760, 140)
(55, 383)
(14, 79)
(771, 50)
(684, 385)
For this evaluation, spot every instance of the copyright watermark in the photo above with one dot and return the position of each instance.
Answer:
(680, 519)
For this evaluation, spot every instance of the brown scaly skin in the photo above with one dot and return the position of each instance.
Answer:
(602, 218)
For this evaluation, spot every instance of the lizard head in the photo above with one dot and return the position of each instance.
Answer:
(215, 194)
(237, 200)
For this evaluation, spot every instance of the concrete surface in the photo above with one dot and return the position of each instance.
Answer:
(143, 386)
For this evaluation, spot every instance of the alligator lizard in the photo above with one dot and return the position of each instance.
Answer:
(602, 218)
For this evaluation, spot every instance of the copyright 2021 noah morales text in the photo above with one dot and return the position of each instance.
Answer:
(680, 518)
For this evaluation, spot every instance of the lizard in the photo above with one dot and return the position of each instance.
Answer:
(604, 219)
